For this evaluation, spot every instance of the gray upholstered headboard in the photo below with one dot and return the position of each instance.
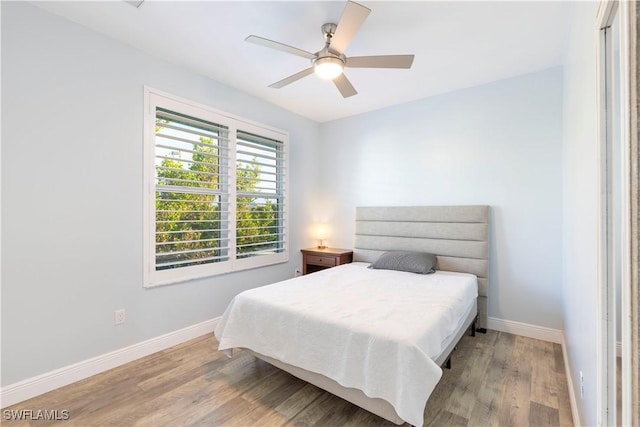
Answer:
(458, 235)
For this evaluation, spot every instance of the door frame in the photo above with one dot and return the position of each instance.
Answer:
(607, 316)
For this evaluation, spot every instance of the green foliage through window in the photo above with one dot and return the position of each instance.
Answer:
(189, 191)
(192, 224)
(259, 202)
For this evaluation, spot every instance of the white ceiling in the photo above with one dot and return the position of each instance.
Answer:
(456, 44)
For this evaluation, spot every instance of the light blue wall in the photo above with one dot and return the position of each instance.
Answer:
(72, 120)
(498, 144)
(580, 225)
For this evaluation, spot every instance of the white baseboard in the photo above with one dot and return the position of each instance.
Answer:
(46, 382)
(525, 330)
(572, 391)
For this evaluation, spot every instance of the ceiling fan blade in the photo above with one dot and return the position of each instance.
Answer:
(291, 79)
(383, 61)
(279, 46)
(352, 18)
(344, 86)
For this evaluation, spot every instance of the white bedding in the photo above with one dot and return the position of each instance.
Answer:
(375, 330)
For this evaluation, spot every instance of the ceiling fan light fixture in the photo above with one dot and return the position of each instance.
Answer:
(328, 67)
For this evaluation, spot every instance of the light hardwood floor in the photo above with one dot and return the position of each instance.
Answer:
(496, 379)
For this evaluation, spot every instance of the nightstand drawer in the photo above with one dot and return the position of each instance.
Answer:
(321, 260)
(316, 259)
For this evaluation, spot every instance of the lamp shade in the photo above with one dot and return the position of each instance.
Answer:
(321, 231)
(328, 67)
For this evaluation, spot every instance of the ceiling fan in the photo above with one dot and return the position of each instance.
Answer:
(329, 62)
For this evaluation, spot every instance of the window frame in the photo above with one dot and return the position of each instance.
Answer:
(153, 99)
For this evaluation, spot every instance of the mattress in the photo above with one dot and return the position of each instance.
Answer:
(374, 330)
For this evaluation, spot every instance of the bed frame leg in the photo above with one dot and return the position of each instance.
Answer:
(447, 363)
(474, 328)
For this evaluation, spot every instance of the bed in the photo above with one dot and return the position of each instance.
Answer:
(376, 338)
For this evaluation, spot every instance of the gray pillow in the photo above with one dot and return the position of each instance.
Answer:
(413, 262)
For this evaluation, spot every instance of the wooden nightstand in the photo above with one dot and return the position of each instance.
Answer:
(314, 259)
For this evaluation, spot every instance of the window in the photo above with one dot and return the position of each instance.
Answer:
(215, 192)
(259, 196)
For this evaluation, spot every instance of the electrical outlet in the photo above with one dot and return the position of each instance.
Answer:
(297, 272)
(120, 316)
(581, 385)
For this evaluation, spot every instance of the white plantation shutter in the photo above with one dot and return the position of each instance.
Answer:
(191, 189)
(260, 195)
(216, 191)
